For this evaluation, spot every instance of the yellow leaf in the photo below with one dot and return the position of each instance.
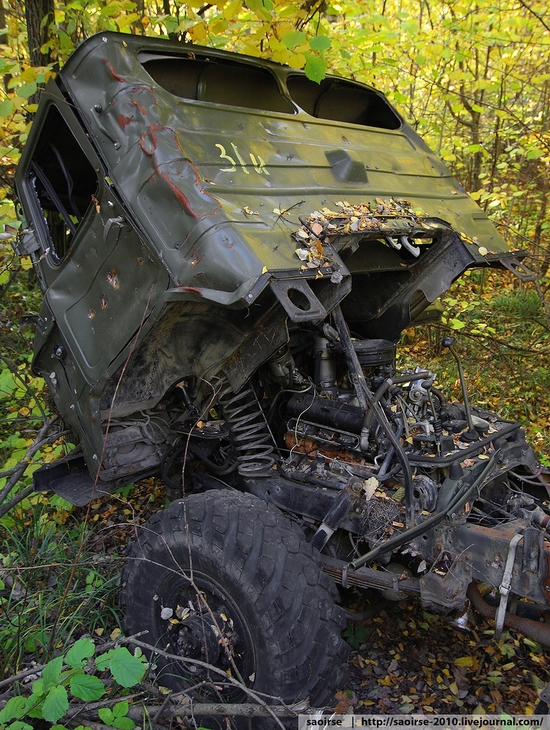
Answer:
(115, 633)
(464, 661)
(198, 32)
(232, 9)
(454, 689)
(99, 632)
(218, 26)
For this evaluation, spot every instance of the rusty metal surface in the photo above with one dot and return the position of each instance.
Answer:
(485, 549)
(537, 630)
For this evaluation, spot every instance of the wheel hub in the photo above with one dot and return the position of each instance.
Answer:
(198, 638)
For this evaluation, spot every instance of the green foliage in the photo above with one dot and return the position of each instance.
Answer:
(42, 547)
(73, 676)
(356, 635)
(125, 668)
(502, 335)
(475, 82)
(117, 716)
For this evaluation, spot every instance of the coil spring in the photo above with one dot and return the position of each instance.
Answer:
(248, 427)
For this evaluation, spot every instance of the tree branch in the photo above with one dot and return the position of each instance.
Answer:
(537, 16)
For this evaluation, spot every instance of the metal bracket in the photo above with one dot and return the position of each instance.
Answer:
(532, 548)
(27, 243)
(506, 585)
(298, 300)
(518, 268)
(112, 228)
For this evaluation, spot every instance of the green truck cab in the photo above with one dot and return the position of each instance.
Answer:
(228, 254)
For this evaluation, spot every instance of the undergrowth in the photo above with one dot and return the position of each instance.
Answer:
(501, 332)
(45, 549)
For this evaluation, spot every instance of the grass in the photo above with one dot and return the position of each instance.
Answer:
(59, 582)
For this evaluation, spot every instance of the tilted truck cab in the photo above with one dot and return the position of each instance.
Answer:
(228, 253)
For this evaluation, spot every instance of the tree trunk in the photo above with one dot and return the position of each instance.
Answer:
(3, 27)
(39, 15)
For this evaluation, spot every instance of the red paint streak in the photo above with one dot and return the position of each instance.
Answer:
(112, 70)
(192, 290)
(197, 176)
(214, 211)
(180, 195)
(139, 107)
(148, 143)
(124, 121)
(197, 261)
(150, 137)
(198, 180)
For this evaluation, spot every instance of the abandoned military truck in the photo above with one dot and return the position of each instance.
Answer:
(228, 253)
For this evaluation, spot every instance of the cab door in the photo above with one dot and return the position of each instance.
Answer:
(100, 279)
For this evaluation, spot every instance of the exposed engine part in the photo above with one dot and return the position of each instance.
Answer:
(379, 518)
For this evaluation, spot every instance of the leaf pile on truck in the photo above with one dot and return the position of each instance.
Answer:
(228, 254)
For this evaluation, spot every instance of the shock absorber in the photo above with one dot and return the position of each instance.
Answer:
(249, 430)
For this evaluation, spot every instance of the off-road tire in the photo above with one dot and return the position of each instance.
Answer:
(265, 590)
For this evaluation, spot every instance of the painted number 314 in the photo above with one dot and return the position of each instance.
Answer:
(257, 162)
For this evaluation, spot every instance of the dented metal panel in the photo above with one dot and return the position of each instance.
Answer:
(204, 179)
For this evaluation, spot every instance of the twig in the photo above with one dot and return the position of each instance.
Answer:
(246, 709)
(93, 706)
(19, 470)
(19, 497)
(21, 675)
(35, 446)
(196, 662)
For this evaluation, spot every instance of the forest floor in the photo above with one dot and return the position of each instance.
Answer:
(412, 661)
(403, 660)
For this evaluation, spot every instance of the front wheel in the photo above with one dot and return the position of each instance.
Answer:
(225, 578)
